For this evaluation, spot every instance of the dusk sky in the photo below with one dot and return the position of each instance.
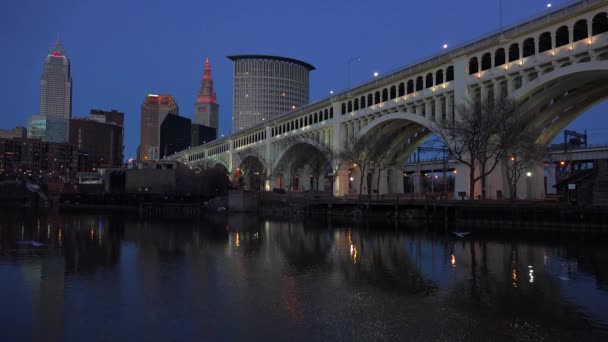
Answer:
(121, 50)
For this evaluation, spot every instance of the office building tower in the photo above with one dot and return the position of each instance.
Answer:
(266, 87)
(100, 144)
(113, 116)
(206, 109)
(175, 135)
(153, 112)
(56, 94)
(202, 134)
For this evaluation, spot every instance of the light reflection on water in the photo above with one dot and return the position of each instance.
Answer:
(106, 278)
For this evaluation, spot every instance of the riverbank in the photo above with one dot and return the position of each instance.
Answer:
(481, 215)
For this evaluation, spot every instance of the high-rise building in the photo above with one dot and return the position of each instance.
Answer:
(174, 135)
(99, 143)
(153, 112)
(56, 94)
(36, 127)
(206, 109)
(266, 87)
(113, 116)
(17, 132)
(202, 134)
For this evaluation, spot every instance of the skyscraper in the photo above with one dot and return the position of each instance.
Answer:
(175, 135)
(100, 142)
(56, 94)
(266, 87)
(153, 112)
(206, 108)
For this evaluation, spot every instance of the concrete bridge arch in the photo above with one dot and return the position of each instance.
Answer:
(555, 99)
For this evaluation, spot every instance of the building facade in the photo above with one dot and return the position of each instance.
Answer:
(20, 155)
(17, 132)
(175, 135)
(202, 134)
(36, 127)
(153, 112)
(265, 87)
(113, 116)
(56, 94)
(99, 144)
(206, 109)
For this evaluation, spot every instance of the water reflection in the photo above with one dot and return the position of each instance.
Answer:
(244, 277)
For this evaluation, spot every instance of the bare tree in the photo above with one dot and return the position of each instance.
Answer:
(334, 163)
(520, 156)
(480, 135)
(360, 151)
(293, 161)
(317, 164)
(382, 158)
(213, 177)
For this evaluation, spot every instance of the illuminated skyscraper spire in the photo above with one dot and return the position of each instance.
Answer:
(206, 108)
(206, 93)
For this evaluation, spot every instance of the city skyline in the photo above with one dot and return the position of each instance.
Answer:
(114, 70)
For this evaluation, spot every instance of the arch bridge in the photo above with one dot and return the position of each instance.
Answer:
(555, 66)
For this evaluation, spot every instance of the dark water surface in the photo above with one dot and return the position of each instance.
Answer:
(104, 278)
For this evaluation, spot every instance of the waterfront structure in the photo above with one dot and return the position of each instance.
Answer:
(206, 108)
(17, 132)
(34, 156)
(99, 144)
(153, 112)
(175, 135)
(265, 87)
(56, 94)
(161, 178)
(202, 134)
(555, 66)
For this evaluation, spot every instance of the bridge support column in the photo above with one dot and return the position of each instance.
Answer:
(450, 108)
(535, 183)
(551, 174)
(417, 179)
(396, 181)
(460, 81)
(496, 90)
(341, 183)
(461, 181)
(496, 187)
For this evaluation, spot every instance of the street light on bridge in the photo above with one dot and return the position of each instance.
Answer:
(350, 61)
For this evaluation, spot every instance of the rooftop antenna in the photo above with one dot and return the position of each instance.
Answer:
(500, 18)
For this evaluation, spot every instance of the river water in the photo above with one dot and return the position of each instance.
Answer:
(105, 278)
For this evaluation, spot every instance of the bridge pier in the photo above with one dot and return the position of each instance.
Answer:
(341, 183)
(417, 179)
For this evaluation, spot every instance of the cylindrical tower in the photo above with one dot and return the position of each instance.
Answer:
(265, 87)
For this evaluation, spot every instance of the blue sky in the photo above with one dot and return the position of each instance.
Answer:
(121, 50)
